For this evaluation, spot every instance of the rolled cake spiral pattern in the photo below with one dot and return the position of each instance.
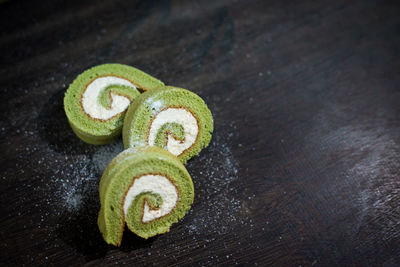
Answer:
(96, 101)
(171, 118)
(146, 188)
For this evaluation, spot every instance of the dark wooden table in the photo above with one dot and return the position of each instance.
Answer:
(304, 165)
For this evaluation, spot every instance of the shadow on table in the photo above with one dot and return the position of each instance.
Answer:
(54, 128)
(79, 230)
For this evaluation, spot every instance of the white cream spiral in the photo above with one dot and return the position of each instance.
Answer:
(155, 184)
(90, 97)
(175, 115)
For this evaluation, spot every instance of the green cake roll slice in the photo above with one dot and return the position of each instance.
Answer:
(96, 101)
(171, 118)
(146, 188)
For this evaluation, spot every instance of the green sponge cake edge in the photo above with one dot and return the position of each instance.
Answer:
(96, 131)
(95, 139)
(120, 175)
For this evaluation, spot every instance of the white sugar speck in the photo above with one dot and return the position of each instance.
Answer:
(157, 105)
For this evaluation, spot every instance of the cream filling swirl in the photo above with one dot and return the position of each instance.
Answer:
(175, 115)
(90, 102)
(156, 184)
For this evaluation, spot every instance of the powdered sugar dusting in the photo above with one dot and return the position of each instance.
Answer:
(215, 209)
(72, 184)
(214, 173)
(104, 154)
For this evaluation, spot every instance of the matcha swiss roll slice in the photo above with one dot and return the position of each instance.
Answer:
(146, 188)
(171, 118)
(96, 101)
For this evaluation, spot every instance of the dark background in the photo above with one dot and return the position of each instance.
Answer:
(304, 165)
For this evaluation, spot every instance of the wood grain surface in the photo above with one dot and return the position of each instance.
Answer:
(304, 165)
